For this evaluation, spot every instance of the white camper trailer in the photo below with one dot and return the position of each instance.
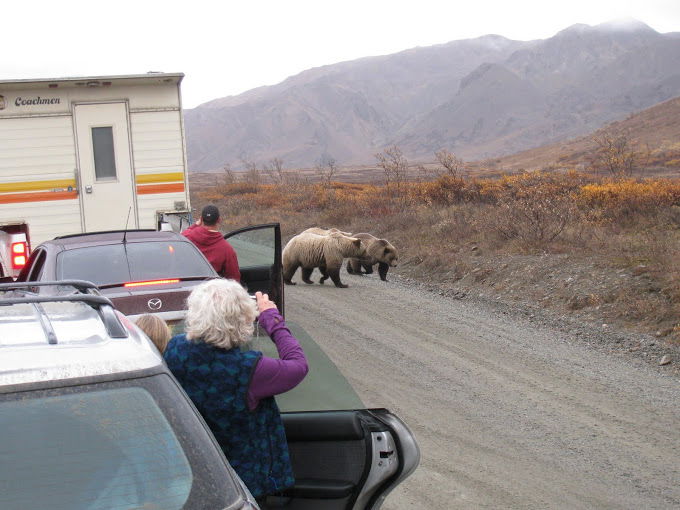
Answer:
(89, 154)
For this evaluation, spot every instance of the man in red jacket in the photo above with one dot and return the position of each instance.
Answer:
(209, 240)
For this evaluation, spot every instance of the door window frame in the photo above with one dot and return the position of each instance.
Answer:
(276, 292)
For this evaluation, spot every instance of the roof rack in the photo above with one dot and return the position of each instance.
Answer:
(106, 232)
(84, 292)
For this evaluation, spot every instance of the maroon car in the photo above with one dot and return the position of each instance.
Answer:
(149, 271)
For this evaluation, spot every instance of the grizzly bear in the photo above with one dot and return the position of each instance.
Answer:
(378, 251)
(308, 250)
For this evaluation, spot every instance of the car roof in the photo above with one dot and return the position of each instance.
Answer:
(113, 237)
(71, 333)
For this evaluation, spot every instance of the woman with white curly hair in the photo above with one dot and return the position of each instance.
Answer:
(234, 388)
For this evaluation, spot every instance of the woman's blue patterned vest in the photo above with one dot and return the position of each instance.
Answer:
(217, 381)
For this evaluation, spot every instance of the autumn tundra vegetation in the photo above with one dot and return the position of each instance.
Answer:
(600, 241)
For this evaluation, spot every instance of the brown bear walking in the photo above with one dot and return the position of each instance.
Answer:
(378, 251)
(327, 252)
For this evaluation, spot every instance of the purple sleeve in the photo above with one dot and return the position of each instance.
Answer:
(273, 376)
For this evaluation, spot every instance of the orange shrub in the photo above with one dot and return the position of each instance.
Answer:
(629, 197)
(269, 197)
(357, 199)
(444, 190)
(239, 188)
(525, 184)
(209, 196)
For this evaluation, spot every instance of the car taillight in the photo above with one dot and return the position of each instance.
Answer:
(150, 282)
(19, 252)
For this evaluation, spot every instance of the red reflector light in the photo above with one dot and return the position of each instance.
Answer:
(19, 254)
(150, 282)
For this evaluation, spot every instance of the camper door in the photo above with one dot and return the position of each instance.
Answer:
(107, 189)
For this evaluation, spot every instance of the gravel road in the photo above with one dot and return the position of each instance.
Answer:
(509, 410)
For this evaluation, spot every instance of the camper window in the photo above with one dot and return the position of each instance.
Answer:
(104, 158)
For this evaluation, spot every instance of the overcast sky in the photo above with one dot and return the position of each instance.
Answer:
(225, 48)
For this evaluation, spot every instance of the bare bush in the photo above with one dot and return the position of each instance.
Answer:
(455, 224)
(615, 154)
(293, 179)
(535, 210)
(394, 166)
(228, 177)
(326, 168)
(252, 174)
(275, 170)
(450, 164)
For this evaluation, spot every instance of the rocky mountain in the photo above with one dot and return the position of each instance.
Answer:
(479, 98)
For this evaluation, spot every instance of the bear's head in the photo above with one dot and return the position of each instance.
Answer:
(386, 253)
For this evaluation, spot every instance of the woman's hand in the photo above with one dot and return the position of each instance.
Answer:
(263, 302)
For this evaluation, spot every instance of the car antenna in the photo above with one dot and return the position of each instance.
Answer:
(127, 221)
(127, 259)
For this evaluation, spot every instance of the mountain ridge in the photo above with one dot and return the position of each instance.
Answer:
(484, 97)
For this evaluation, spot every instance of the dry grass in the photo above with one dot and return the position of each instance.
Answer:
(452, 229)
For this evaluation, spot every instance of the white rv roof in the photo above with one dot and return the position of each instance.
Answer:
(149, 78)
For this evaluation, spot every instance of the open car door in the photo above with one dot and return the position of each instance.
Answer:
(258, 249)
(345, 457)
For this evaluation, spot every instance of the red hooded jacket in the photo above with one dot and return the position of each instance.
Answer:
(218, 251)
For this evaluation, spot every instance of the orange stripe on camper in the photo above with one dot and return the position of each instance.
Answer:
(45, 196)
(173, 187)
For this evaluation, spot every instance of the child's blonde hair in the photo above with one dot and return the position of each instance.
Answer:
(156, 329)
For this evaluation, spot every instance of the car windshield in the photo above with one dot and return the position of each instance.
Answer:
(135, 261)
(109, 446)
